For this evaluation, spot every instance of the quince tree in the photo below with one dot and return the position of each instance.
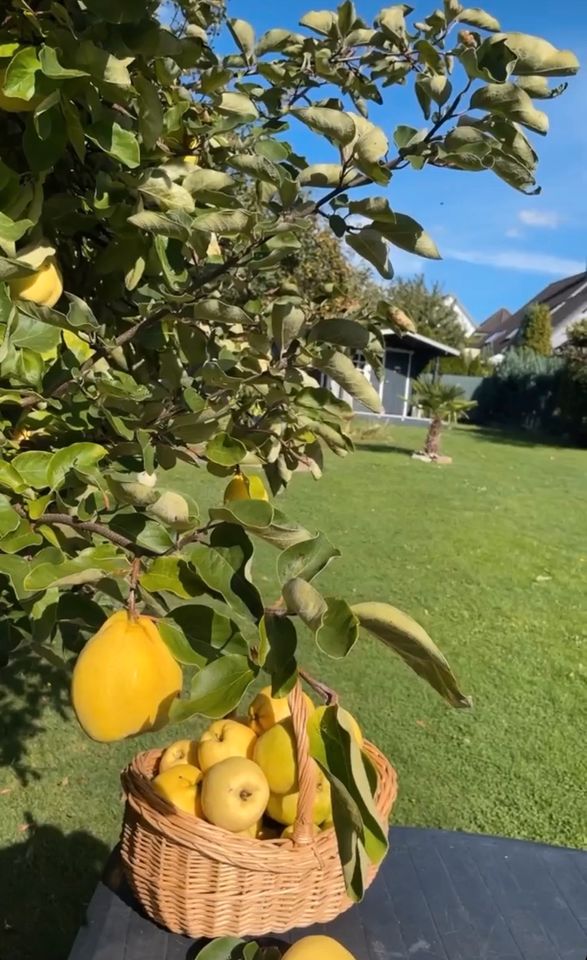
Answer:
(148, 183)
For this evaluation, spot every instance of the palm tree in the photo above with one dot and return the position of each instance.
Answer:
(443, 404)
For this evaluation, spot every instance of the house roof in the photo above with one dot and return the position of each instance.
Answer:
(495, 322)
(559, 296)
(418, 340)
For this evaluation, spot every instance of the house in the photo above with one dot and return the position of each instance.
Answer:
(404, 360)
(463, 316)
(567, 301)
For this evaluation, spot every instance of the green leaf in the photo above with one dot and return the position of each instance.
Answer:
(216, 689)
(19, 80)
(224, 223)
(74, 129)
(210, 633)
(334, 747)
(201, 179)
(333, 124)
(172, 575)
(89, 565)
(222, 948)
(116, 142)
(117, 11)
(150, 111)
(178, 644)
(145, 533)
(277, 647)
(168, 225)
(287, 320)
(243, 35)
(82, 457)
(19, 539)
(322, 175)
(34, 334)
(342, 331)
(370, 245)
(247, 513)
(410, 641)
(238, 105)
(305, 560)
(538, 56)
(9, 518)
(49, 62)
(220, 576)
(225, 450)
(33, 467)
(371, 143)
(322, 21)
(509, 100)
(216, 311)
(409, 235)
(476, 17)
(258, 167)
(340, 368)
(392, 22)
(13, 230)
(11, 478)
(339, 629)
(160, 189)
(303, 600)
(539, 88)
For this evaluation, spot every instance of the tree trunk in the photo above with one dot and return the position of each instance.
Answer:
(432, 445)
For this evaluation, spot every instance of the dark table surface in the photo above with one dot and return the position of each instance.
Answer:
(438, 896)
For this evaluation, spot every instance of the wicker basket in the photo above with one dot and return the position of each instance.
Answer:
(199, 880)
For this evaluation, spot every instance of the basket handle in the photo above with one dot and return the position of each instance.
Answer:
(303, 833)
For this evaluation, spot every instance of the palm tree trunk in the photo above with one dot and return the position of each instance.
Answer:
(432, 445)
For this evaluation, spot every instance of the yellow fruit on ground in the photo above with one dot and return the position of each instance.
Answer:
(43, 287)
(243, 487)
(265, 711)
(225, 738)
(182, 751)
(288, 832)
(124, 680)
(284, 808)
(317, 948)
(318, 713)
(234, 794)
(16, 104)
(180, 786)
(275, 752)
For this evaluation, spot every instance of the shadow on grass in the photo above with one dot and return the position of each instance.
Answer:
(46, 882)
(28, 686)
(517, 438)
(385, 448)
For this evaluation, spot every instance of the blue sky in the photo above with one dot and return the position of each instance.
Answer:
(499, 247)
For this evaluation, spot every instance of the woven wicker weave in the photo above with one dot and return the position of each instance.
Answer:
(199, 880)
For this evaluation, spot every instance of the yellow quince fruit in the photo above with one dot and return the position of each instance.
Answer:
(124, 680)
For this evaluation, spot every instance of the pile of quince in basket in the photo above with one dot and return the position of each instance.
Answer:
(241, 775)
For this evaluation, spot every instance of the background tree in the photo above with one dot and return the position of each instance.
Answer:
(536, 331)
(131, 337)
(573, 388)
(428, 308)
(443, 404)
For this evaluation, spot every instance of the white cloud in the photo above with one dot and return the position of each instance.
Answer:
(520, 260)
(513, 232)
(540, 218)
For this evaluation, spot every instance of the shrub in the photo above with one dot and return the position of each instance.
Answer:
(536, 332)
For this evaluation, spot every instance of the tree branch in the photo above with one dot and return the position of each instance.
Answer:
(397, 161)
(329, 695)
(88, 526)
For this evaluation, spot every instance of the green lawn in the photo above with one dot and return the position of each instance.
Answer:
(489, 554)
